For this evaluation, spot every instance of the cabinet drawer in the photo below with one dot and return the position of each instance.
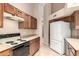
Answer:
(5, 53)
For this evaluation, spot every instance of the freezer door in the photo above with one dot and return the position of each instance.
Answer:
(59, 31)
(57, 46)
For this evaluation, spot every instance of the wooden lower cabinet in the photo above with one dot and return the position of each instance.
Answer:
(1, 15)
(69, 50)
(7, 52)
(34, 45)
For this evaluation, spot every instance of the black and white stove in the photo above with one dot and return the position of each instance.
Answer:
(11, 39)
(20, 47)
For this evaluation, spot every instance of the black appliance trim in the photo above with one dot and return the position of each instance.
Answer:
(9, 35)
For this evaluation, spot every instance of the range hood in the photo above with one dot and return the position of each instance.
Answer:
(67, 11)
(11, 17)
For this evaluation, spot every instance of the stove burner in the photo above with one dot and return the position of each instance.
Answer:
(10, 42)
(14, 43)
(19, 39)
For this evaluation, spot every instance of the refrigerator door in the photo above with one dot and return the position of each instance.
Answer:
(57, 46)
(58, 32)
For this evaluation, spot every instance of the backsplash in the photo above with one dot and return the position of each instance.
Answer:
(26, 32)
(11, 26)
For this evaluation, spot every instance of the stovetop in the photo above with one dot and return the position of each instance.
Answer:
(11, 39)
(11, 42)
(16, 42)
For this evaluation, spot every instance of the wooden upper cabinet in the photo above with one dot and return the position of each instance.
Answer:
(75, 20)
(29, 22)
(33, 23)
(9, 8)
(19, 13)
(26, 23)
(1, 15)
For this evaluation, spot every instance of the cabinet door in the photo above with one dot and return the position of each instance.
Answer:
(27, 22)
(21, 25)
(32, 48)
(38, 43)
(34, 45)
(75, 18)
(33, 23)
(19, 13)
(1, 15)
(9, 8)
(6, 53)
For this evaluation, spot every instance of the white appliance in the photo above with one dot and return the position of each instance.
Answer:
(58, 32)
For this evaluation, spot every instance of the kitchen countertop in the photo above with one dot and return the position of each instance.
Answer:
(73, 42)
(3, 47)
(27, 38)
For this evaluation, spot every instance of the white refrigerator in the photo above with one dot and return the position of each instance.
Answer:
(58, 32)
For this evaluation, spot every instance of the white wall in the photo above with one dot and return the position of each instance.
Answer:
(9, 26)
(47, 12)
(38, 13)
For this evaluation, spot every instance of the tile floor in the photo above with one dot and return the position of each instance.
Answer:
(45, 51)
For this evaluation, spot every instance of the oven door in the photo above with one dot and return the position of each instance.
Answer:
(22, 50)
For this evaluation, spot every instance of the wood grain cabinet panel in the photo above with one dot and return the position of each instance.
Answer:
(9, 8)
(19, 13)
(1, 15)
(6, 53)
(75, 19)
(33, 23)
(34, 45)
(29, 22)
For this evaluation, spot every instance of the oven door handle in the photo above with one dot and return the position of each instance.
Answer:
(26, 45)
